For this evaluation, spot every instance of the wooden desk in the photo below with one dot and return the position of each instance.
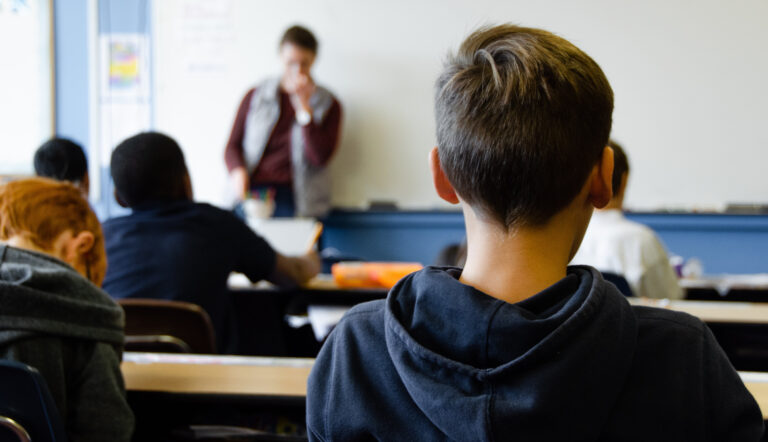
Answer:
(265, 377)
(713, 311)
(171, 392)
(219, 375)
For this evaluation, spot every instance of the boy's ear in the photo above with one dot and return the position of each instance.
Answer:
(77, 246)
(442, 185)
(601, 187)
(188, 192)
(83, 242)
(120, 200)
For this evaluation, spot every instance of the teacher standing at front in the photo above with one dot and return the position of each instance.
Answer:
(285, 132)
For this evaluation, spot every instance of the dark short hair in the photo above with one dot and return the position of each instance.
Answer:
(61, 159)
(522, 117)
(301, 37)
(148, 167)
(620, 165)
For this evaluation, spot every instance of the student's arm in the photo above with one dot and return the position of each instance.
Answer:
(291, 270)
(258, 260)
(99, 410)
(322, 137)
(233, 153)
(733, 412)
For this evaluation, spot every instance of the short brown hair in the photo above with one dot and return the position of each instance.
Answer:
(620, 165)
(522, 117)
(42, 209)
(301, 37)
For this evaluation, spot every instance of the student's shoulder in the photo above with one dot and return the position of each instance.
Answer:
(670, 341)
(359, 336)
(118, 221)
(628, 228)
(643, 238)
(363, 322)
(365, 314)
(668, 322)
(217, 213)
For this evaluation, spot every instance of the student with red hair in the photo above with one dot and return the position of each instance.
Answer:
(53, 315)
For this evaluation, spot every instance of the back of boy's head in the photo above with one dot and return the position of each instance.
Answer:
(61, 159)
(522, 117)
(620, 165)
(149, 167)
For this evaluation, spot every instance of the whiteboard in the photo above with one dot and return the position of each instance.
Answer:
(689, 78)
(26, 82)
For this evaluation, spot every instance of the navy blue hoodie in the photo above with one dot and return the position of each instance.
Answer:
(440, 360)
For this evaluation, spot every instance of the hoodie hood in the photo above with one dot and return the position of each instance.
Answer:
(40, 295)
(500, 368)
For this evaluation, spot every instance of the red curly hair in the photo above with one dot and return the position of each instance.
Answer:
(42, 209)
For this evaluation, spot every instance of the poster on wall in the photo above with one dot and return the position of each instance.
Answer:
(26, 82)
(124, 67)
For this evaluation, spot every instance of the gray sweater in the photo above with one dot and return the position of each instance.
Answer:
(71, 331)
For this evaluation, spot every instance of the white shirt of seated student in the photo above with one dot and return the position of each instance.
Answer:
(615, 244)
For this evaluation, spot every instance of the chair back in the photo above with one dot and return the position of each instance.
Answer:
(167, 326)
(27, 410)
(619, 281)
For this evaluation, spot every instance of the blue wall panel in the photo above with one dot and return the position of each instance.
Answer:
(724, 243)
(71, 69)
(392, 236)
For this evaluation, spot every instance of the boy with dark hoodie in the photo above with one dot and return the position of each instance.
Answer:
(518, 345)
(53, 316)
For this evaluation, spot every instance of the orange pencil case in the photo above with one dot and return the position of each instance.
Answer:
(371, 274)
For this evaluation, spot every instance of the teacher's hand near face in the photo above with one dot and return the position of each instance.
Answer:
(304, 87)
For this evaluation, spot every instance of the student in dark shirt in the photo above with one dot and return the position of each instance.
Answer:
(170, 247)
(517, 345)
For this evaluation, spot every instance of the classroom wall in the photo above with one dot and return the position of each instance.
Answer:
(688, 77)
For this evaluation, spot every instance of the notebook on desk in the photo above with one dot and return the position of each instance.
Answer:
(289, 236)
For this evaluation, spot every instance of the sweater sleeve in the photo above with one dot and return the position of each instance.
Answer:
(99, 411)
(733, 412)
(233, 153)
(322, 137)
